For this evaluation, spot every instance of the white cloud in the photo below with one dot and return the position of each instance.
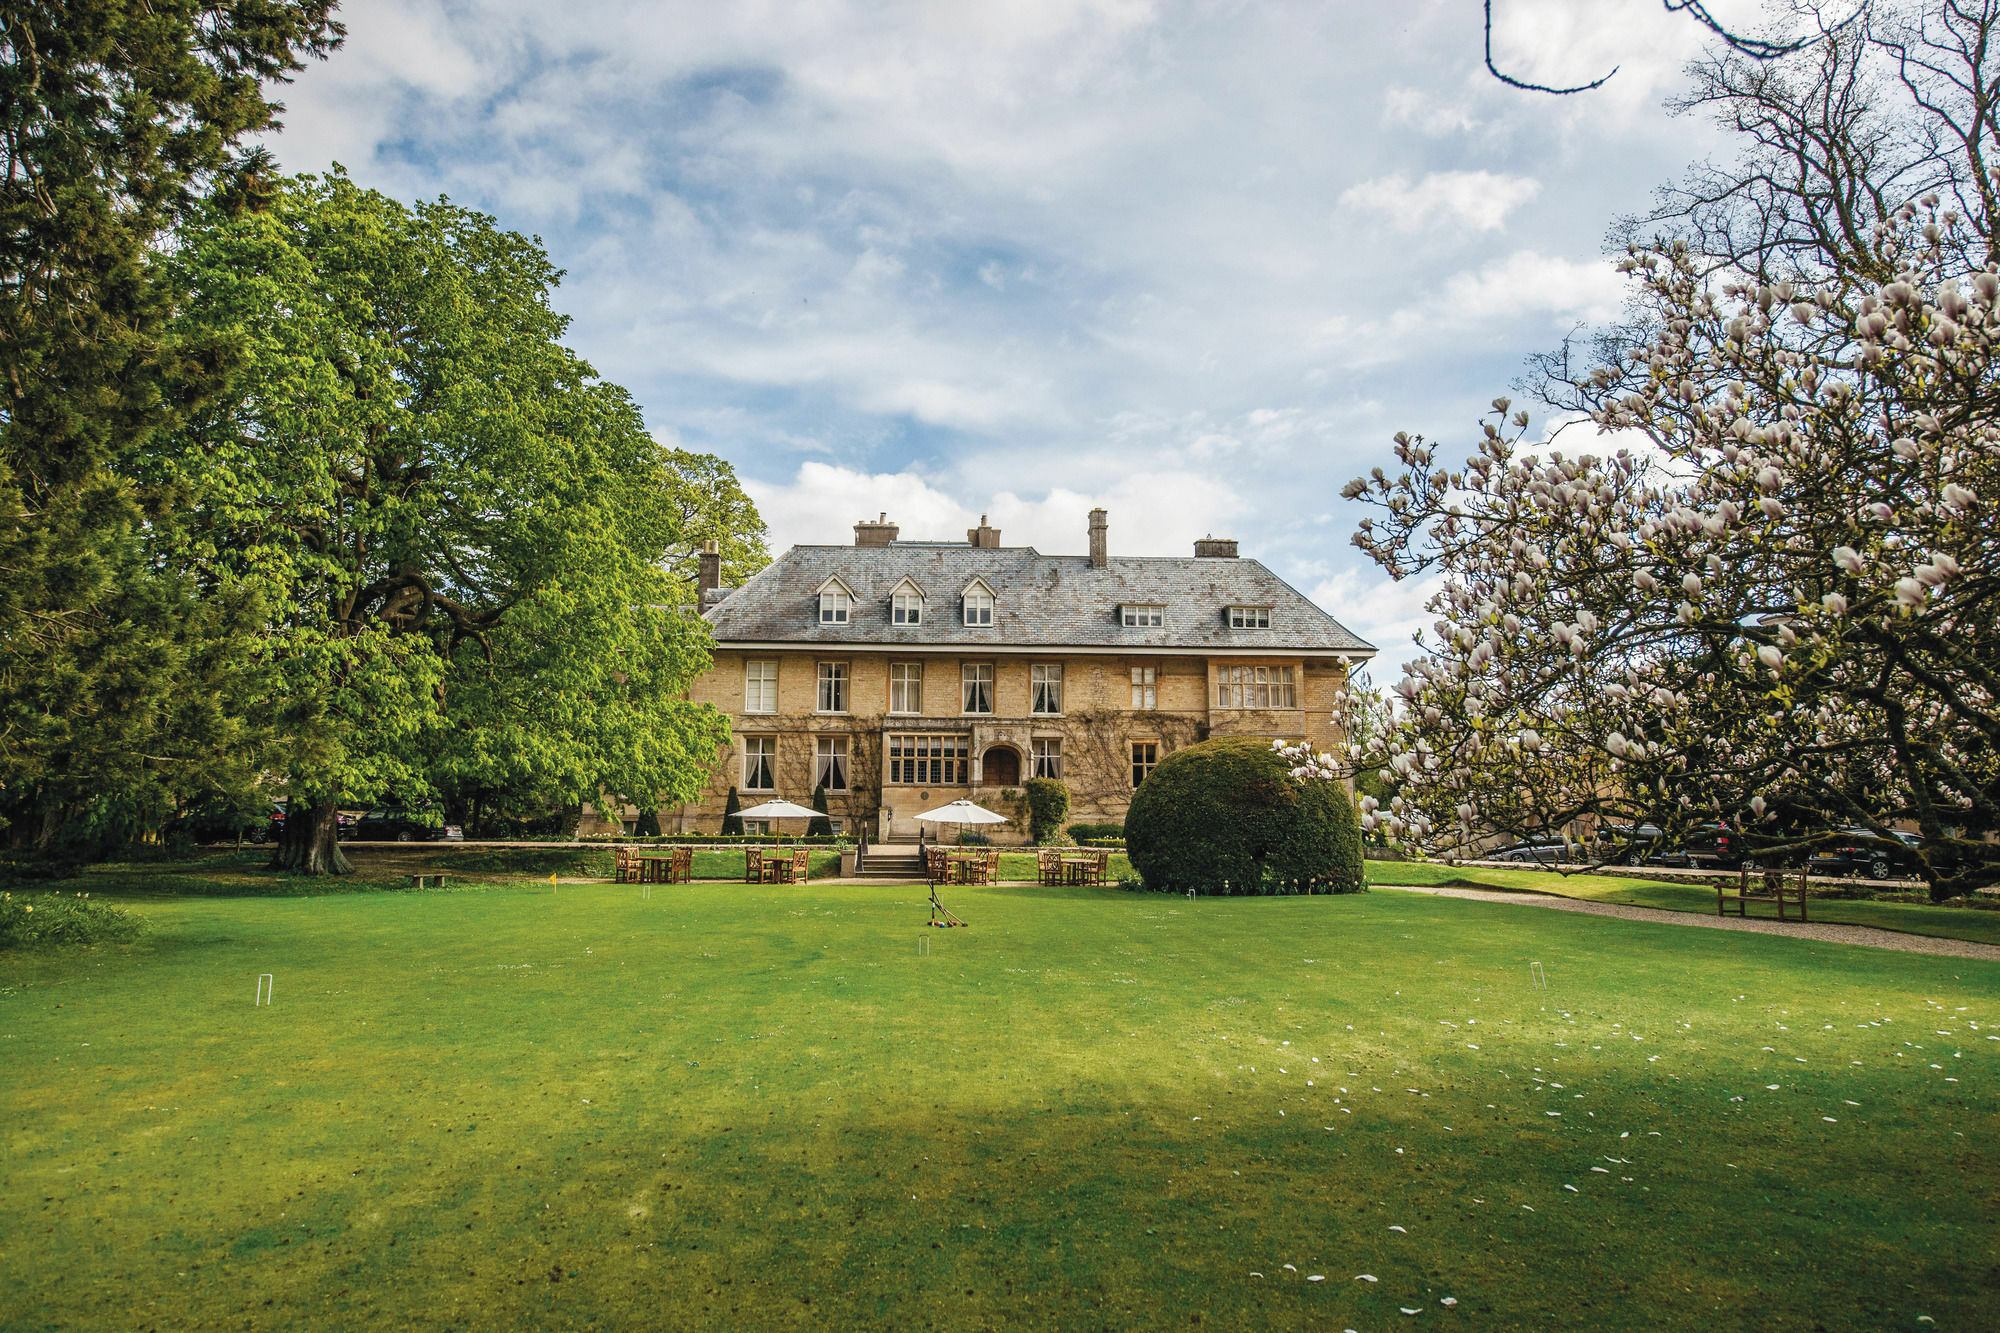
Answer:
(1386, 613)
(1526, 282)
(1153, 513)
(1023, 259)
(1475, 200)
(1424, 111)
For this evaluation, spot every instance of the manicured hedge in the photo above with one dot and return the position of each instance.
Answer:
(1226, 817)
(1088, 833)
(1048, 806)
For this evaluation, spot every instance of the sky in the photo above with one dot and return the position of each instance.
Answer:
(1193, 262)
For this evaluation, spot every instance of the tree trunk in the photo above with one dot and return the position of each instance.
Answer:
(311, 844)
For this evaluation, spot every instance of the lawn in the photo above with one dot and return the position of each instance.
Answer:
(1979, 924)
(746, 1107)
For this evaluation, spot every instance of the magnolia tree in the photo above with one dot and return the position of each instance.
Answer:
(1780, 614)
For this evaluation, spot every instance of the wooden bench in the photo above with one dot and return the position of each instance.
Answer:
(1770, 888)
(427, 881)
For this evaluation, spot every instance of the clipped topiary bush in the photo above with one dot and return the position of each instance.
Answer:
(821, 826)
(1226, 816)
(732, 823)
(1048, 807)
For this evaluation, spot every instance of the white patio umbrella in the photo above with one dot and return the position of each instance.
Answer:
(779, 810)
(962, 811)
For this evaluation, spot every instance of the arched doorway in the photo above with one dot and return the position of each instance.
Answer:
(1000, 767)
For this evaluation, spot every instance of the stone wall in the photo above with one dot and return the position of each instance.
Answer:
(1096, 727)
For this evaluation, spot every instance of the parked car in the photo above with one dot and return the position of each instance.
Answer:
(398, 824)
(274, 827)
(1624, 844)
(1703, 847)
(1861, 851)
(1541, 851)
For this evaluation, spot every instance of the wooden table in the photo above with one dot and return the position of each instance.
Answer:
(1079, 869)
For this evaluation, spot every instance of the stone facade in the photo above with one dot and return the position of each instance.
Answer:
(1093, 735)
(895, 706)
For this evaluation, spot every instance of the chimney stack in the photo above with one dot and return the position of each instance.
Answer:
(709, 577)
(1100, 545)
(1215, 548)
(879, 533)
(983, 535)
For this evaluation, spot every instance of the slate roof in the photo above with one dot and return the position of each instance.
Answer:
(1056, 601)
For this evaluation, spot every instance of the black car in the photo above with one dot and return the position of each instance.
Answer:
(1861, 851)
(273, 829)
(395, 824)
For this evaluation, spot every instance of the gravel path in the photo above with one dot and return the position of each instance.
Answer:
(1832, 934)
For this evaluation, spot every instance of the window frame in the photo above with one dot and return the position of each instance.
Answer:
(832, 757)
(1145, 688)
(764, 750)
(1045, 756)
(1259, 687)
(979, 599)
(1148, 764)
(1142, 615)
(927, 759)
(1249, 617)
(906, 608)
(837, 675)
(1040, 684)
(760, 680)
(836, 606)
(912, 708)
(966, 682)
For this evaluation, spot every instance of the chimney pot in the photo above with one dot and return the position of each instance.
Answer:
(1216, 548)
(983, 535)
(709, 575)
(1100, 545)
(879, 533)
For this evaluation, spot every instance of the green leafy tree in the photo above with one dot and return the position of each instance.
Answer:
(116, 117)
(449, 518)
(702, 500)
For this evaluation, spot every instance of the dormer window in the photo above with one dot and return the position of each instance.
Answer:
(836, 603)
(978, 604)
(906, 604)
(1249, 617)
(1142, 616)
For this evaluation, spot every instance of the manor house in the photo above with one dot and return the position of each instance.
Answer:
(901, 675)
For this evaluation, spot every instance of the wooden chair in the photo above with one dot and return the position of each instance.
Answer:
(753, 865)
(680, 870)
(993, 865)
(1770, 888)
(1048, 865)
(623, 871)
(801, 869)
(937, 863)
(1103, 864)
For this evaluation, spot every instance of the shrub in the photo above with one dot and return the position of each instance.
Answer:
(649, 824)
(820, 827)
(732, 823)
(1048, 806)
(1226, 816)
(63, 918)
(1089, 833)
